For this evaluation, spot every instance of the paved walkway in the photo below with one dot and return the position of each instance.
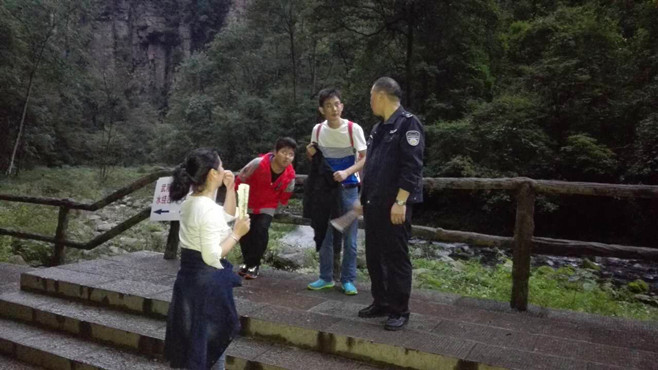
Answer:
(473, 331)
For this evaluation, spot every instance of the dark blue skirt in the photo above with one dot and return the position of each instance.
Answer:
(202, 319)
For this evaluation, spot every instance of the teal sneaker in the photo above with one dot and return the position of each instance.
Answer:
(320, 284)
(349, 289)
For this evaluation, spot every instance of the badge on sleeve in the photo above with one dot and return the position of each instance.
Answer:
(413, 137)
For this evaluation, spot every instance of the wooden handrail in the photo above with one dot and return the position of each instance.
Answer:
(71, 204)
(65, 205)
(547, 246)
(523, 243)
(91, 244)
(431, 184)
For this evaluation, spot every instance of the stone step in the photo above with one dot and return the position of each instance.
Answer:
(444, 335)
(313, 331)
(8, 363)
(285, 326)
(36, 346)
(260, 320)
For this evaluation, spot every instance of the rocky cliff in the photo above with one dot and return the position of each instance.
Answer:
(146, 39)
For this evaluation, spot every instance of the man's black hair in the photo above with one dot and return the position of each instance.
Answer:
(285, 142)
(328, 93)
(389, 86)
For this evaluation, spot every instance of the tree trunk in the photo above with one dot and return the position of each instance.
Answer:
(294, 65)
(21, 125)
(409, 56)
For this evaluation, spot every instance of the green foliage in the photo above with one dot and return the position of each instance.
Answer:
(583, 159)
(534, 88)
(589, 264)
(638, 286)
(646, 150)
(563, 288)
(546, 89)
(5, 248)
(467, 278)
(80, 184)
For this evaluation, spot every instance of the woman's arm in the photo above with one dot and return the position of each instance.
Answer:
(228, 244)
(240, 228)
(229, 201)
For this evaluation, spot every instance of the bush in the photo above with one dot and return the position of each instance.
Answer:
(638, 286)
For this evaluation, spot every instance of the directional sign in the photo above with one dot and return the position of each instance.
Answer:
(162, 208)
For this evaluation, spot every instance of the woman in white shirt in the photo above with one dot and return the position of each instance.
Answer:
(202, 319)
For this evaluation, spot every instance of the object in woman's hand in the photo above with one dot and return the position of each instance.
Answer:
(243, 199)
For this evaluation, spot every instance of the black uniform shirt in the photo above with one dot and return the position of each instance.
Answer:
(394, 160)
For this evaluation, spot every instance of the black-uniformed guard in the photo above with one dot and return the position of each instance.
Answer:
(392, 182)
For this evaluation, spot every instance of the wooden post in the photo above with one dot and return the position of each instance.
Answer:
(60, 236)
(523, 230)
(172, 241)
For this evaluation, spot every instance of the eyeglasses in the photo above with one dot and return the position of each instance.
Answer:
(336, 105)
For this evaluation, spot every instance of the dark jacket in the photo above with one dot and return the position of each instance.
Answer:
(202, 319)
(321, 197)
(394, 160)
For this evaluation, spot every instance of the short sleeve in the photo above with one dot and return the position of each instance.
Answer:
(359, 138)
(245, 173)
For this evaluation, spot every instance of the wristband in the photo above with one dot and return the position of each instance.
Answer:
(234, 237)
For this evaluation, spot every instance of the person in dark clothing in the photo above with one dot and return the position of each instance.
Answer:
(271, 179)
(322, 198)
(202, 319)
(392, 182)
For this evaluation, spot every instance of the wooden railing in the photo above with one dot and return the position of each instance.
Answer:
(66, 205)
(523, 243)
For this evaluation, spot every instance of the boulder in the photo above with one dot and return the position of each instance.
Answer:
(104, 226)
(16, 260)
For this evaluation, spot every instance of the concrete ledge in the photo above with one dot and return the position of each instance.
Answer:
(59, 351)
(355, 340)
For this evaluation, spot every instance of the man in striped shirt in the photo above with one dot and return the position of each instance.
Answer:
(343, 146)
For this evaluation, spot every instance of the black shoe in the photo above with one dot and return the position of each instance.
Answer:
(252, 273)
(373, 311)
(396, 322)
(242, 271)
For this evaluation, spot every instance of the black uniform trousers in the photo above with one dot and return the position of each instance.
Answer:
(387, 257)
(254, 243)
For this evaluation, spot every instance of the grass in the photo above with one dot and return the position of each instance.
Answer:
(563, 288)
(80, 184)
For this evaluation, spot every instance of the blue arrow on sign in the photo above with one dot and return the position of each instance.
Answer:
(161, 211)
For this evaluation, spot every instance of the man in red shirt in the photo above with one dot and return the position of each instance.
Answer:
(271, 180)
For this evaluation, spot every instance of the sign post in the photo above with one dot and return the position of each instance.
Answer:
(163, 208)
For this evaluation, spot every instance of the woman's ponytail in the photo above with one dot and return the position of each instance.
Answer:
(193, 172)
(181, 184)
